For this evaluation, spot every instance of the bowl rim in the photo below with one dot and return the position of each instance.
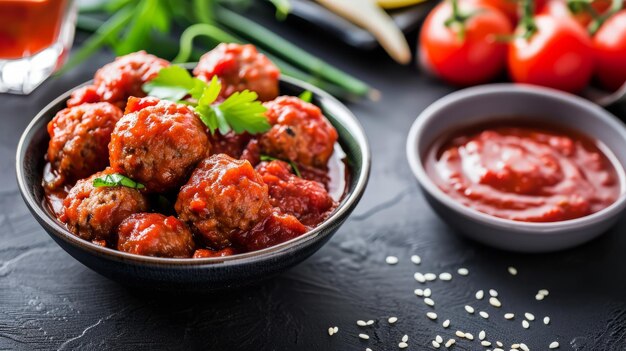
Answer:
(535, 228)
(347, 120)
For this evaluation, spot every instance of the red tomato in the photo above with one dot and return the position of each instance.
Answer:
(559, 8)
(557, 55)
(510, 7)
(610, 52)
(464, 56)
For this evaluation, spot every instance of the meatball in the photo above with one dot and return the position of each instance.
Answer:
(240, 67)
(231, 144)
(95, 213)
(299, 132)
(153, 234)
(306, 200)
(117, 81)
(159, 144)
(274, 229)
(204, 253)
(222, 195)
(78, 141)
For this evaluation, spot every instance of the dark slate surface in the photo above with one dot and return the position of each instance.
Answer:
(50, 301)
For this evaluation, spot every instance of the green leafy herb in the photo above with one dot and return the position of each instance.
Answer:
(293, 165)
(116, 179)
(306, 96)
(174, 83)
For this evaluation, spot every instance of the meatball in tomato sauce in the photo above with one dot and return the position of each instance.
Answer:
(222, 195)
(307, 200)
(153, 234)
(204, 253)
(117, 81)
(158, 143)
(273, 230)
(94, 213)
(240, 67)
(78, 141)
(299, 133)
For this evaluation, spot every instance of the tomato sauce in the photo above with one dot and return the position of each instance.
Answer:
(525, 173)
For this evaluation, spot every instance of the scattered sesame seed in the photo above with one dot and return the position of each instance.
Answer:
(446, 323)
(445, 276)
(482, 335)
(463, 271)
(418, 292)
(370, 322)
(515, 346)
(416, 259)
(364, 336)
(368, 349)
(469, 336)
(485, 343)
(392, 320)
(480, 294)
(431, 315)
(430, 276)
(419, 277)
(391, 260)
(539, 297)
(435, 344)
(429, 301)
(495, 302)
(439, 339)
(336, 330)
(546, 320)
(331, 331)
(361, 323)
(525, 324)
(524, 347)
(405, 338)
(544, 292)
(554, 345)
(460, 334)
(509, 315)
(404, 345)
(499, 343)
(450, 342)
(493, 292)
(484, 314)
(469, 309)
(512, 270)
(498, 349)
(529, 316)
(427, 292)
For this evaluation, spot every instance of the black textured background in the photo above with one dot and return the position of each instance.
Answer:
(50, 301)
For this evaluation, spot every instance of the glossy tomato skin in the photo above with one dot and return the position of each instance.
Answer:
(559, 9)
(475, 58)
(558, 55)
(609, 45)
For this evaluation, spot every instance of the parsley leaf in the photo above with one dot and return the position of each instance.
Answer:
(306, 96)
(293, 165)
(174, 83)
(116, 179)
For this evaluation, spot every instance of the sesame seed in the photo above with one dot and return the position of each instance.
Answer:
(469, 309)
(450, 342)
(427, 292)
(439, 339)
(482, 335)
(336, 330)
(509, 315)
(512, 270)
(529, 316)
(463, 271)
(405, 338)
(391, 260)
(435, 344)
(331, 331)
(392, 320)
(493, 292)
(418, 292)
(368, 349)
(500, 344)
(361, 323)
(495, 302)
(544, 292)
(484, 314)
(460, 334)
(498, 349)
(364, 336)
(446, 323)
(430, 276)
(554, 345)
(546, 320)
(445, 276)
(404, 345)
(469, 336)
(515, 346)
(525, 324)
(370, 322)
(431, 315)
(485, 343)
(539, 297)
(480, 294)
(429, 301)
(524, 347)
(419, 277)
(416, 259)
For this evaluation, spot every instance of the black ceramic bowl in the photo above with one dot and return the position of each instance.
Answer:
(205, 274)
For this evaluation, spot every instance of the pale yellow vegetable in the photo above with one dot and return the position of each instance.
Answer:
(394, 4)
(368, 15)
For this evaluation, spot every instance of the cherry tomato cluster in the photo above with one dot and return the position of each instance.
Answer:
(561, 44)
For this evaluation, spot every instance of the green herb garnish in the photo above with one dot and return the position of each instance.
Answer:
(116, 179)
(306, 96)
(293, 165)
(174, 83)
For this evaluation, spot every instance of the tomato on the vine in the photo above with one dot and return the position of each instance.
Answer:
(609, 45)
(510, 7)
(459, 42)
(552, 52)
(560, 8)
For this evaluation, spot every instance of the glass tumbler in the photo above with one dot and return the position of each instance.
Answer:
(35, 38)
